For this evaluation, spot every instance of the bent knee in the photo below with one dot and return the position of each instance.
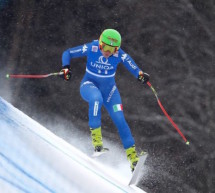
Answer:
(96, 97)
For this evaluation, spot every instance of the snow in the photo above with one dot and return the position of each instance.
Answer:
(34, 160)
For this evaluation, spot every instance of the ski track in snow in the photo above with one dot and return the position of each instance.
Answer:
(34, 160)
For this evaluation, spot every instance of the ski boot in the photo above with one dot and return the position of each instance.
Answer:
(96, 136)
(132, 157)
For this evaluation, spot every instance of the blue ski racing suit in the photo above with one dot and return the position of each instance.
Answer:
(98, 85)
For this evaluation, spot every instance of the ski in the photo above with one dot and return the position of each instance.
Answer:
(137, 170)
(99, 153)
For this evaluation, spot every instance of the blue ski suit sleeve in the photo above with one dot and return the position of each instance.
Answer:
(129, 63)
(76, 52)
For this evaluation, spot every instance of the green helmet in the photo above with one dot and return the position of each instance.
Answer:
(110, 37)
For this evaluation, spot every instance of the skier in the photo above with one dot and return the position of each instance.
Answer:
(98, 86)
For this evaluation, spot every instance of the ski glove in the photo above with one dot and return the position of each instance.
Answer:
(66, 73)
(143, 77)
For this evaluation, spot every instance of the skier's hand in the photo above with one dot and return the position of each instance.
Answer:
(143, 77)
(66, 73)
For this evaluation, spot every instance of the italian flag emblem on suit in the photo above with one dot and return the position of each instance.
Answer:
(117, 107)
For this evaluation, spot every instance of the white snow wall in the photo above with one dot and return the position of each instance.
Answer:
(34, 160)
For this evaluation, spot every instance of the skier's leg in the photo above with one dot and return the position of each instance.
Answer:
(113, 105)
(92, 95)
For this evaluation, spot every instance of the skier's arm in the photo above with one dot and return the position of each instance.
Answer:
(129, 63)
(75, 52)
(70, 53)
(133, 68)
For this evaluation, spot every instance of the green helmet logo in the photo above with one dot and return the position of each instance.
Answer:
(110, 37)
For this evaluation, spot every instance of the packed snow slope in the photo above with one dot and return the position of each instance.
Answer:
(34, 160)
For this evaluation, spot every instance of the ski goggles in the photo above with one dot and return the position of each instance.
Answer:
(106, 48)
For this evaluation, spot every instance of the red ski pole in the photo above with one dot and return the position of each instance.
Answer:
(166, 114)
(33, 76)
